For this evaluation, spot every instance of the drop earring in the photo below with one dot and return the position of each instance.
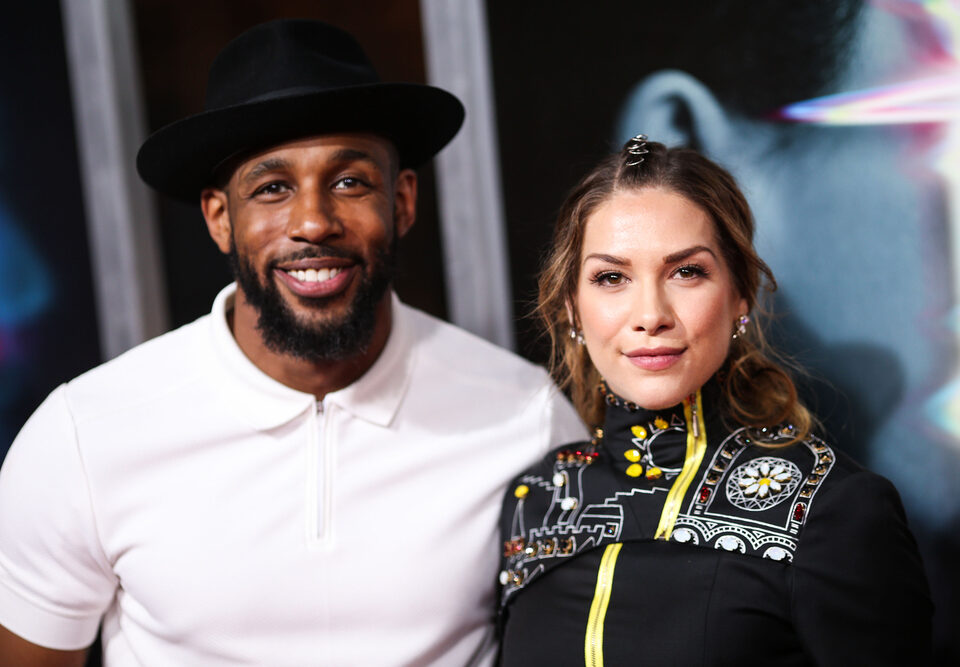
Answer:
(740, 327)
(576, 335)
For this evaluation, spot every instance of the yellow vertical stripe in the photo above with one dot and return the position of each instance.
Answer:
(696, 446)
(593, 642)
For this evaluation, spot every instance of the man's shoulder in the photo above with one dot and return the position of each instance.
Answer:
(153, 368)
(469, 357)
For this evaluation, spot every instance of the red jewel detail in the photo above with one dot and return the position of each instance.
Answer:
(704, 494)
(579, 453)
(799, 511)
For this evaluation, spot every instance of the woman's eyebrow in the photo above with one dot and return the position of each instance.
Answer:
(681, 255)
(611, 259)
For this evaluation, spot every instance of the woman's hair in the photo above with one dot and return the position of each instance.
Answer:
(756, 388)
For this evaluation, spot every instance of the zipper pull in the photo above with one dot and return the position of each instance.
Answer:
(693, 415)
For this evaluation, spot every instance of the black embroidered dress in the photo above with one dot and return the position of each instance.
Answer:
(675, 540)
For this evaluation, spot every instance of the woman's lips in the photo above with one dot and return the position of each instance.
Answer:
(655, 359)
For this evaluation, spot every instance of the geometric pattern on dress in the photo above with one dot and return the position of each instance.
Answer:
(702, 525)
(695, 530)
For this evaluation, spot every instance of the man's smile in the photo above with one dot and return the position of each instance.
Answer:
(314, 275)
(317, 282)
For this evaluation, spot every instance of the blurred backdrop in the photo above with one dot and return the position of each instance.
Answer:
(838, 117)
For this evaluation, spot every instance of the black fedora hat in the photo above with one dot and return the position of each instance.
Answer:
(288, 79)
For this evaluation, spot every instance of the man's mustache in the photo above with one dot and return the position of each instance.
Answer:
(318, 252)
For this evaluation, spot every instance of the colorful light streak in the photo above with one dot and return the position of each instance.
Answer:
(931, 100)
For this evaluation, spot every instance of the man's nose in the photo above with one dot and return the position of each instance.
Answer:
(313, 218)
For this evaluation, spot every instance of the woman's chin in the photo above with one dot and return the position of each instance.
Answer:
(655, 398)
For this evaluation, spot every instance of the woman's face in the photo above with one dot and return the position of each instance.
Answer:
(655, 300)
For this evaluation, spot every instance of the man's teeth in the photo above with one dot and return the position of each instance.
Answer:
(315, 275)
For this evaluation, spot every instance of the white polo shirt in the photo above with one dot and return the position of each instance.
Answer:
(213, 516)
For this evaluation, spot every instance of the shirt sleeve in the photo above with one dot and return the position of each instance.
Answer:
(860, 595)
(55, 581)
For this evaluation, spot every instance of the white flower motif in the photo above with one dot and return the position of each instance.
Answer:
(762, 483)
(764, 479)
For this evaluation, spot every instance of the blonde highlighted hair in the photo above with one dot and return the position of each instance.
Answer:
(757, 389)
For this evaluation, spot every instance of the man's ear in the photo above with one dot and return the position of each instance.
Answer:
(405, 202)
(676, 109)
(213, 203)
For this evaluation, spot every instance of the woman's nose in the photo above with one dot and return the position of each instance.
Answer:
(652, 312)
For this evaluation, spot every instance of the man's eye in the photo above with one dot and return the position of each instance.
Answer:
(273, 188)
(347, 183)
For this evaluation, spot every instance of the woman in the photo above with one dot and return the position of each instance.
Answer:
(705, 523)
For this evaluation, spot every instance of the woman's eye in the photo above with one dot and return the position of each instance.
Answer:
(690, 271)
(609, 278)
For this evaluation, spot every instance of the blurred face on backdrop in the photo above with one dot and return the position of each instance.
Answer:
(853, 192)
(655, 301)
(310, 227)
(856, 220)
(854, 202)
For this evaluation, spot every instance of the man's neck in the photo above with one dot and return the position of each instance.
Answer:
(313, 377)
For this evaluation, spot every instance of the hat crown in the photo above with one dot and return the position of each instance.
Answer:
(286, 80)
(286, 57)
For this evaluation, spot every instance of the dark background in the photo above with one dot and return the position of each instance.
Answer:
(48, 325)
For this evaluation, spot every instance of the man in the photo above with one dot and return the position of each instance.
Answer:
(312, 473)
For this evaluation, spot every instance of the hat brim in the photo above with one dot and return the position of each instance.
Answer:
(179, 159)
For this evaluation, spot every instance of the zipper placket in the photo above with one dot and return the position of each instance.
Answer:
(319, 482)
(696, 447)
(593, 641)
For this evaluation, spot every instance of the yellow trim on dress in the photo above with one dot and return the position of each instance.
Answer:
(593, 641)
(696, 447)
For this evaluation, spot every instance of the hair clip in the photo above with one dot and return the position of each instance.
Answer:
(636, 148)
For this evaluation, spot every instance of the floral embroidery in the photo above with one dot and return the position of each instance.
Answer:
(762, 483)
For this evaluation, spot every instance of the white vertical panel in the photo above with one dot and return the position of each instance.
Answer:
(468, 172)
(121, 223)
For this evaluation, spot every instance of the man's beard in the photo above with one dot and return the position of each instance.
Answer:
(332, 340)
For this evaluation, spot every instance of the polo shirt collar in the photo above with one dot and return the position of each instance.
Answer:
(376, 396)
(265, 403)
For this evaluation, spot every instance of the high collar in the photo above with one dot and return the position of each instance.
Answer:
(658, 437)
(265, 403)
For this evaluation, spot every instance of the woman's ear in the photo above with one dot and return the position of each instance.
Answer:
(676, 109)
